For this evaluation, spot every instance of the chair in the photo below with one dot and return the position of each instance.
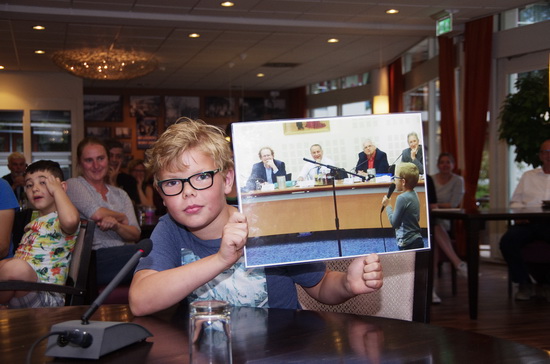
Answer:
(405, 295)
(536, 256)
(75, 289)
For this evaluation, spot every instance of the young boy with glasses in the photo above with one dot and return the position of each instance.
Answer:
(198, 246)
(406, 216)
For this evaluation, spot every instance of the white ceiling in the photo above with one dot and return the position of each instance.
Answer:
(235, 43)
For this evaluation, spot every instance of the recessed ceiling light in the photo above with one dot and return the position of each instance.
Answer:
(333, 40)
(39, 27)
(194, 35)
(392, 11)
(39, 51)
(260, 75)
(227, 4)
(1, 67)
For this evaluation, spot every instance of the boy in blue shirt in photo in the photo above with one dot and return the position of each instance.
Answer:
(405, 219)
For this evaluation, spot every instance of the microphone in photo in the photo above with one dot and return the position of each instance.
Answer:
(90, 340)
(390, 192)
(391, 168)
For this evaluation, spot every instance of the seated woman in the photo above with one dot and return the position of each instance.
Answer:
(136, 168)
(449, 189)
(109, 206)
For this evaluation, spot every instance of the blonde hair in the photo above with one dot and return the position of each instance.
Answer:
(182, 136)
(409, 172)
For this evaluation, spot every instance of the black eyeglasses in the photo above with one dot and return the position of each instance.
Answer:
(199, 181)
(396, 177)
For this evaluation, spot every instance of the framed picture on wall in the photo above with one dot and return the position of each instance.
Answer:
(147, 131)
(102, 108)
(100, 132)
(123, 133)
(219, 107)
(144, 106)
(180, 106)
(319, 204)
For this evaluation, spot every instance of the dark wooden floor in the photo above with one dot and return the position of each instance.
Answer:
(526, 322)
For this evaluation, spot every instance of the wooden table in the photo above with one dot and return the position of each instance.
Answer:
(273, 336)
(474, 222)
(304, 209)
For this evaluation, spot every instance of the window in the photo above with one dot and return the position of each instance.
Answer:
(324, 111)
(51, 137)
(357, 108)
(354, 80)
(11, 136)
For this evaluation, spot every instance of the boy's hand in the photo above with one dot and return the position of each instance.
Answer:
(235, 233)
(364, 275)
(385, 201)
(53, 184)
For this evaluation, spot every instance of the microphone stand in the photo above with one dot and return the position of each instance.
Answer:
(334, 172)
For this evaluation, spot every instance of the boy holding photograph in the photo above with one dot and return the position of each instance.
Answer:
(406, 217)
(198, 246)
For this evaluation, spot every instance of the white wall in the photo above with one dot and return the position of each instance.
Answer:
(43, 91)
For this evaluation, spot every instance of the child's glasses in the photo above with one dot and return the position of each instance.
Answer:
(199, 181)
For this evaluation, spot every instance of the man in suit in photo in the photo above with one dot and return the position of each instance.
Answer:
(267, 170)
(371, 157)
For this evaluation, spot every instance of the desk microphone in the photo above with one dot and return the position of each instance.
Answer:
(90, 340)
(390, 191)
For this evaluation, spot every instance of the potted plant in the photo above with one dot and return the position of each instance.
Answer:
(525, 117)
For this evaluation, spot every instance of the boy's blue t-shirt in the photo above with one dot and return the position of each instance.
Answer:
(274, 287)
(405, 219)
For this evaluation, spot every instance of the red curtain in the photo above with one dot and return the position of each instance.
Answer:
(396, 86)
(447, 101)
(478, 37)
(297, 103)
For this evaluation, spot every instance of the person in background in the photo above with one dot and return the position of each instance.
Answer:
(17, 165)
(371, 157)
(449, 188)
(8, 206)
(198, 247)
(107, 205)
(45, 250)
(136, 168)
(267, 170)
(405, 219)
(310, 170)
(117, 177)
(532, 189)
(413, 153)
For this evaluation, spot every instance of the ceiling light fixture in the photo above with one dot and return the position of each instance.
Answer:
(227, 4)
(39, 27)
(1, 67)
(105, 64)
(194, 35)
(392, 11)
(333, 40)
(39, 51)
(260, 75)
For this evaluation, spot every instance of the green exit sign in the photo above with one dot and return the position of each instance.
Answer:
(444, 25)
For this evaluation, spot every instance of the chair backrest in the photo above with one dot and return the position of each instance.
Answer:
(404, 294)
(80, 262)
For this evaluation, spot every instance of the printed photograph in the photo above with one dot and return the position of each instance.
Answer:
(320, 196)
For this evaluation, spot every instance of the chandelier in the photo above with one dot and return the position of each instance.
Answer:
(105, 64)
